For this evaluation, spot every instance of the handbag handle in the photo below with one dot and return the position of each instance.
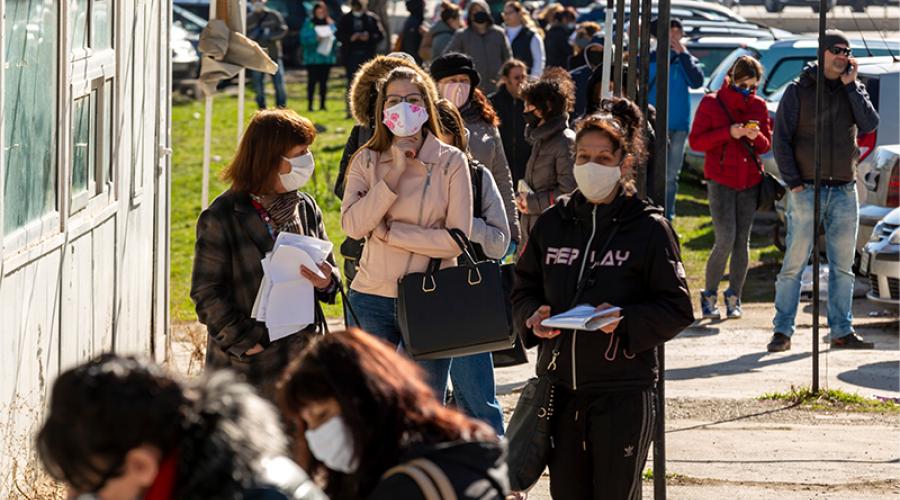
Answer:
(746, 144)
(468, 252)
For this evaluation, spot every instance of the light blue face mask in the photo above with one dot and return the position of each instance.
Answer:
(741, 90)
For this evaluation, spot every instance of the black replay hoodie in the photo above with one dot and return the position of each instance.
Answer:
(640, 271)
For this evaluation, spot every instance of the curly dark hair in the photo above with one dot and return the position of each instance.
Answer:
(553, 94)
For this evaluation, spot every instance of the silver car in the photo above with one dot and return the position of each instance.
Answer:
(880, 260)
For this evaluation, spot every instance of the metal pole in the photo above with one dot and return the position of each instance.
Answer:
(645, 171)
(619, 30)
(207, 132)
(634, 19)
(817, 207)
(662, 128)
(607, 47)
(242, 75)
(646, 17)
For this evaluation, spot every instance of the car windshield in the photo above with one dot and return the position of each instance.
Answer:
(785, 71)
(718, 75)
(710, 58)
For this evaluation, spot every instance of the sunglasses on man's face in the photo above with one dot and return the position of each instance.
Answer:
(840, 51)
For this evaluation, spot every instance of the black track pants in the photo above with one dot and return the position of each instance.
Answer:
(600, 445)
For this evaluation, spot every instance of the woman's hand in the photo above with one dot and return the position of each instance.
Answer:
(752, 133)
(319, 283)
(534, 322)
(253, 350)
(615, 314)
(737, 130)
(522, 202)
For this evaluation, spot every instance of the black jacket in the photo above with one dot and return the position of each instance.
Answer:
(849, 112)
(512, 131)
(477, 470)
(640, 271)
(557, 46)
(350, 24)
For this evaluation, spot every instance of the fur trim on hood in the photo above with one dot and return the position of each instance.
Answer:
(363, 91)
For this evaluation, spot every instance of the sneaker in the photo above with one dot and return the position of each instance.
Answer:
(708, 305)
(852, 341)
(732, 305)
(779, 343)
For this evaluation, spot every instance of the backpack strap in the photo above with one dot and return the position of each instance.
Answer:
(477, 174)
(428, 476)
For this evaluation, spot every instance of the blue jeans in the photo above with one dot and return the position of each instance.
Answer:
(378, 316)
(474, 389)
(839, 216)
(259, 86)
(675, 159)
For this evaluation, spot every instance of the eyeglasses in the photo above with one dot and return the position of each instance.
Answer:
(393, 99)
(838, 51)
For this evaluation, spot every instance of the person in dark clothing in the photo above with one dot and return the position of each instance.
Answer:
(627, 255)
(510, 107)
(684, 74)
(266, 27)
(237, 231)
(359, 34)
(850, 114)
(121, 428)
(558, 49)
(371, 418)
(581, 76)
(317, 55)
(585, 35)
(410, 38)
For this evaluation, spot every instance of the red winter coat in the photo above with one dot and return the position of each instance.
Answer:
(727, 160)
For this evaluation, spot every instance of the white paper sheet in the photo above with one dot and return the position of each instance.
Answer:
(291, 303)
(327, 40)
(285, 264)
(583, 317)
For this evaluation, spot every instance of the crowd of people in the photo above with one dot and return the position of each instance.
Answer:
(470, 130)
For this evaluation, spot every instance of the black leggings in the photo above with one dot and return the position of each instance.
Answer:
(318, 75)
(601, 443)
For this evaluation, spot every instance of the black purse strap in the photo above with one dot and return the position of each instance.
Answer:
(746, 144)
(579, 291)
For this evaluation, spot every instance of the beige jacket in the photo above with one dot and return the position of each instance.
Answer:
(405, 229)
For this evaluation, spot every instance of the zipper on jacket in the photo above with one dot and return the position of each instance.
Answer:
(584, 260)
(421, 211)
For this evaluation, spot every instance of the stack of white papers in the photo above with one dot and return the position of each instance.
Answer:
(326, 37)
(584, 317)
(286, 300)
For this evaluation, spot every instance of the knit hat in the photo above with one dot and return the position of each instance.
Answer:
(454, 63)
(834, 37)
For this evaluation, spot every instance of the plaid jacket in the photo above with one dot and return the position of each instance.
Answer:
(231, 241)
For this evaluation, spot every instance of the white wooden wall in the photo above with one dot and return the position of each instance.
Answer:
(98, 281)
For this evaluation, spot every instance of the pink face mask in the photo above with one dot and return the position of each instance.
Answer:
(405, 119)
(455, 92)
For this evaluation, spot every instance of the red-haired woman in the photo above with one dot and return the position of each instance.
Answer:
(619, 251)
(366, 410)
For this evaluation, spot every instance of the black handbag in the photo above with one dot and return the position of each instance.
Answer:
(529, 430)
(457, 311)
(516, 354)
(770, 189)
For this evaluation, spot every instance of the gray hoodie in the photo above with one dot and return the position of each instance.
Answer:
(489, 50)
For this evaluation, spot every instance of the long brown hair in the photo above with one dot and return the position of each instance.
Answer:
(381, 139)
(270, 135)
(384, 401)
(481, 103)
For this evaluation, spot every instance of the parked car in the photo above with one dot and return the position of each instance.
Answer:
(185, 58)
(783, 61)
(878, 185)
(880, 260)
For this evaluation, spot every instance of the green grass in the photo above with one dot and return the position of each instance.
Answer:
(831, 399)
(695, 230)
(693, 223)
(187, 172)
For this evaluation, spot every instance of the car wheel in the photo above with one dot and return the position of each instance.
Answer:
(774, 6)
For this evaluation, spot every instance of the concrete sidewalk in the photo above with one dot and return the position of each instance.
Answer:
(723, 442)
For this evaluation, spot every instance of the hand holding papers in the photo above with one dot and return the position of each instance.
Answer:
(583, 317)
(326, 39)
(286, 299)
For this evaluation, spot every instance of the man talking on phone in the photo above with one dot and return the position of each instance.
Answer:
(849, 113)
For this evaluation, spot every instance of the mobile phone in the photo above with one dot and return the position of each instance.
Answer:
(752, 124)
(849, 68)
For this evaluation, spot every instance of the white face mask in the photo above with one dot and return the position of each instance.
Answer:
(405, 119)
(455, 92)
(596, 181)
(301, 170)
(332, 444)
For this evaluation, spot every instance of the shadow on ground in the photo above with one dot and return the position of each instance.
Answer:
(742, 364)
(883, 376)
